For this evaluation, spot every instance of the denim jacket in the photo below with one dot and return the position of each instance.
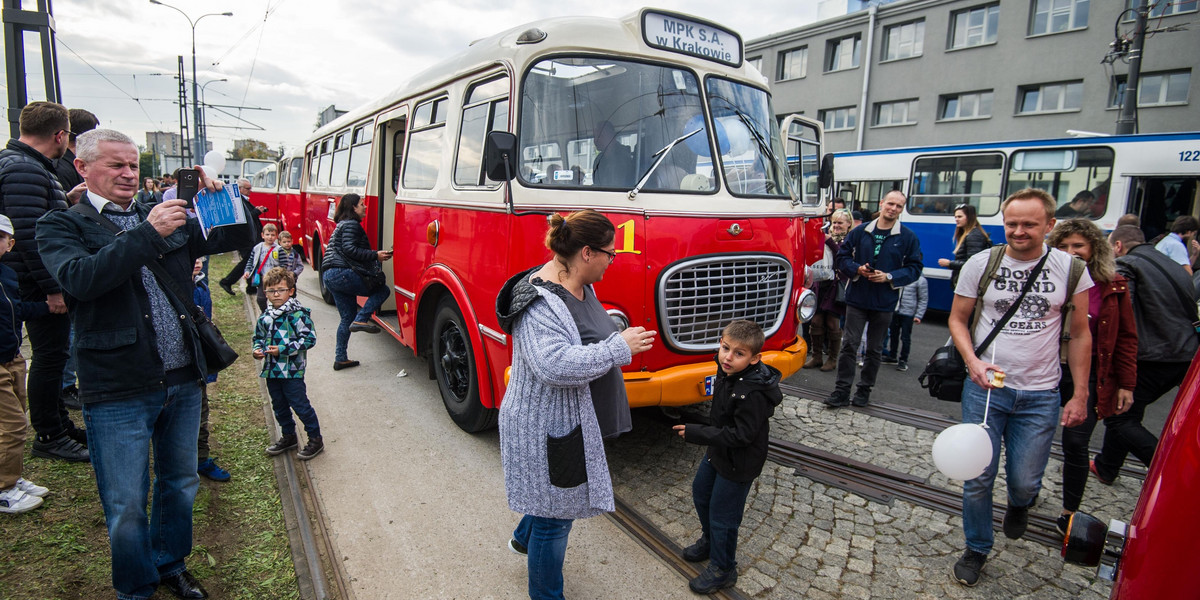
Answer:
(100, 274)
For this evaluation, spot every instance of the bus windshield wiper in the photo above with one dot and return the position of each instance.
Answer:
(763, 148)
(661, 154)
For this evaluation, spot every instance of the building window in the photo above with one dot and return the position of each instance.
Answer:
(1050, 97)
(1054, 16)
(793, 64)
(903, 41)
(835, 119)
(974, 26)
(903, 112)
(756, 62)
(969, 105)
(842, 53)
(1156, 89)
(1163, 8)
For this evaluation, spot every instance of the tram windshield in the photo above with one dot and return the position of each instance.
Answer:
(601, 123)
(749, 139)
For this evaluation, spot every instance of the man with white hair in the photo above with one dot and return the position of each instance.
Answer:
(99, 251)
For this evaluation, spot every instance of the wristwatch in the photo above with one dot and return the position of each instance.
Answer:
(889, 276)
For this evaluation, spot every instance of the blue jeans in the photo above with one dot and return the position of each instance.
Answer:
(346, 286)
(546, 540)
(288, 395)
(1025, 421)
(720, 504)
(120, 435)
(69, 369)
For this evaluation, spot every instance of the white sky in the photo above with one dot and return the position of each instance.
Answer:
(297, 57)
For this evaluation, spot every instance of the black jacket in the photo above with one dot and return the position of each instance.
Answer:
(1163, 305)
(349, 248)
(739, 421)
(100, 273)
(13, 313)
(29, 188)
(976, 242)
(64, 168)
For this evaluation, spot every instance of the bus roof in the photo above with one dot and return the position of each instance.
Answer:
(1070, 141)
(617, 36)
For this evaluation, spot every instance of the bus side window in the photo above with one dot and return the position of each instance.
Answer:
(485, 108)
(360, 156)
(426, 144)
(939, 183)
(297, 165)
(1077, 178)
(397, 157)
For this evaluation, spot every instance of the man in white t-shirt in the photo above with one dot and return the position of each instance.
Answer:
(1023, 410)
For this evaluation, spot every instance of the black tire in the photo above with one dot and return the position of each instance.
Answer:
(453, 361)
(319, 266)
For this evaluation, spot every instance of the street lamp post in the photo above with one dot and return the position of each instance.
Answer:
(202, 126)
(199, 142)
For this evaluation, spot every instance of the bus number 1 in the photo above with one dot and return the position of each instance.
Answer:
(1185, 156)
(627, 242)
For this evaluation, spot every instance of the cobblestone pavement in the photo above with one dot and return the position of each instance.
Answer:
(803, 539)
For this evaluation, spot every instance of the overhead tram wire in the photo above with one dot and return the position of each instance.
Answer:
(63, 42)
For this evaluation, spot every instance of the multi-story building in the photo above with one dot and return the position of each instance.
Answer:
(920, 72)
(168, 150)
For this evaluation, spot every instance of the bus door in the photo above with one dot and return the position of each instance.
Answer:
(389, 144)
(1158, 201)
(264, 195)
(803, 141)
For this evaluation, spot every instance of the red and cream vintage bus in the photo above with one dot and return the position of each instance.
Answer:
(654, 119)
(276, 188)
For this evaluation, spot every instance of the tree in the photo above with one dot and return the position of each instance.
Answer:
(147, 163)
(250, 149)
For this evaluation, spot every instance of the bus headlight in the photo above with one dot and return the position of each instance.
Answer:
(620, 319)
(806, 307)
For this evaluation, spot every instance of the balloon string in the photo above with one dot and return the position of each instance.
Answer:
(988, 402)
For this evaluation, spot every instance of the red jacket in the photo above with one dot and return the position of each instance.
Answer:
(1115, 346)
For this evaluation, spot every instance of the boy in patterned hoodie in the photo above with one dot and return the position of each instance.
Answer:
(282, 337)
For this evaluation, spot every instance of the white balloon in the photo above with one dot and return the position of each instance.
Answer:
(214, 163)
(962, 451)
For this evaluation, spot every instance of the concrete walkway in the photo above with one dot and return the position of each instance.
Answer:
(416, 507)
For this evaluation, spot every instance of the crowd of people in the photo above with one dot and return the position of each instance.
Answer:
(92, 261)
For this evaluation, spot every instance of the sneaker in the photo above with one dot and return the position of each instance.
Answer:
(889, 360)
(285, 443)
(862, 397)
(32, 488)
(1016, 521)
(364, 327)
(517, 547)
(860, 362)
(344, 364)
(838, 399)
(696, 552)
(712, 579)
(1099, 477)
(70, 398)
(902, 366)
(14, 501)
(967, 569)
(209, 469)
(311, 449)
(1063, 522)
(61, 448)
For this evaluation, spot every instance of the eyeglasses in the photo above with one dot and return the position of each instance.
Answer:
(611, 255)
(278, 291)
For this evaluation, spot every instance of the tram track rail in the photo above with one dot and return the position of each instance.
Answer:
(927, 420)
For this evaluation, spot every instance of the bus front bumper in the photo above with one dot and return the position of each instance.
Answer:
(689, 384)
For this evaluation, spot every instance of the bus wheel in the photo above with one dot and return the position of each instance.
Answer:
(454, 364)
(319, 264)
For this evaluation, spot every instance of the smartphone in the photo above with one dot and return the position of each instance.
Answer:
(189, 185)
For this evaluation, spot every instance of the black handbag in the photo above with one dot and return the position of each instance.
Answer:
(946, 373)
(218, 354)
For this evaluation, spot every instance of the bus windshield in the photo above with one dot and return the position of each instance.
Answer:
(601, 123)
(749, 138)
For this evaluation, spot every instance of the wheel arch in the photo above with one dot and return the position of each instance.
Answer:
(440, 283)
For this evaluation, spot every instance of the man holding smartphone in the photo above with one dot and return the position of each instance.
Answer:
(99, 252)
(879, 257)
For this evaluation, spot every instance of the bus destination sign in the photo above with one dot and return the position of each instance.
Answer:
(676, 33)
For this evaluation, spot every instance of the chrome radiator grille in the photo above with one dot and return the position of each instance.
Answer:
(699, 297)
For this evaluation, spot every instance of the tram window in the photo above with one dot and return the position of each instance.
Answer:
(297, 167)
(1077, 178)
(939, 183)
(360, 157)
(425, 146)
(486, 110)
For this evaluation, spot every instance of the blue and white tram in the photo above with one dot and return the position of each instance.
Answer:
(1155, 176)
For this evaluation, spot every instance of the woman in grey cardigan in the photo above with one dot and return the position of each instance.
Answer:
(565, 393)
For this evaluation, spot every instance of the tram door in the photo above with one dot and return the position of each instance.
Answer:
(1158, 201)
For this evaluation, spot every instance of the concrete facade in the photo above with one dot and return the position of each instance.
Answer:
(1017, 61)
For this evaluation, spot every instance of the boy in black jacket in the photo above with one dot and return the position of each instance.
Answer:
(744, 398)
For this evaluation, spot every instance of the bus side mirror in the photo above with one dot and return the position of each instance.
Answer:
(825, 179)
(499, 156)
